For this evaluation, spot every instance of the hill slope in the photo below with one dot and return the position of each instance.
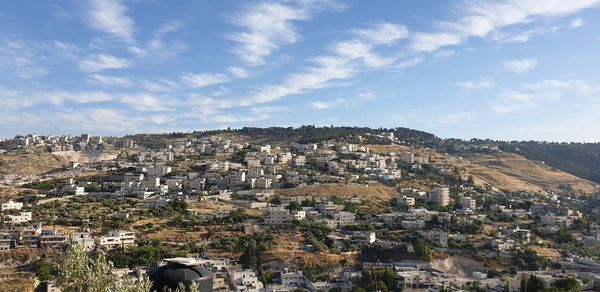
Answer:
(514, 172)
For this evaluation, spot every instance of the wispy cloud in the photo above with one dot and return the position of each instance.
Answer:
(458, 117)
(267, 26)
(520, 65)
(533, 95)
(204, 79)
(346, 59)
(160, 47)
(110, 80)
(21, 58)
(483, 83)
(384, 33)
(15, 99)
(480, 18)
(361, 97)
(109, 17)
(102, 62)
(577, 22)
(238, 72)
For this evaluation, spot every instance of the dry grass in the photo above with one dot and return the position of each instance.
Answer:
(372, 192)
(550, 253)
(288, 251)
(18, 285)
(515, 173)
(29, 164)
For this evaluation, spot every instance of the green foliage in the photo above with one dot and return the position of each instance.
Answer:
(294, 205)
(422, 249)
(42, 269)
(79, 272)
(529, 260)
(142, 254)
(46, 185)
(563, 235)
(534, 284)
(378, 281)
(567, 284)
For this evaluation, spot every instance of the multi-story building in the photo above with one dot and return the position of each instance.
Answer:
(84, 238)
(278, 215)
(21, 218)
(407, 157)
(11, 205)
(246, 281)
(468, 203)
(293, 279)
(412, 279)
(52, 238)
(440, 196)
(116, 239)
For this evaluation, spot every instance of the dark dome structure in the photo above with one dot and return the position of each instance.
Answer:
(175, 272)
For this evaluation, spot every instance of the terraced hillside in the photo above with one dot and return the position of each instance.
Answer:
(514, 172)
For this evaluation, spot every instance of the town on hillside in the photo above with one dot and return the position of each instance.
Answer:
(358, 212)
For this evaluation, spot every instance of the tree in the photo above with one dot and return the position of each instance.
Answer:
(43, 269)
(422, 249)
(534, 284)
(81, 273)
(567, 284)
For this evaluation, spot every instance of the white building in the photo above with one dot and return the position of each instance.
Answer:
(412, 279)
(278, 215)
(440, 196)
(116, 239)
(246, 281)
(406, 201)
(468, 203)
(292, 279)
(407, 157)
(21, 218)
(11, 205)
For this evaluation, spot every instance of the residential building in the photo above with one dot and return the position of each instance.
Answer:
(115, 239)
(440, 196)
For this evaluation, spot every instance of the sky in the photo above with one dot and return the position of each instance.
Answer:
(507, 69)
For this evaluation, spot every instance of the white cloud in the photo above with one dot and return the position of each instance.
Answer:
(520, 65)
(480, 18)
(102, 62)
(268, 109)
(269, 25)
(521, 36)
(238, 72)
(483, 83)
(159, 86)
(14, 99)
(159, 119)
(204, 79)
(322, 105)
(111, 80)
(21, 58)
(366, 96)
(533, 95)
(384, 33)
(458, 117)
(578, 22)
(346, 59)
(109, 17)
(159, 47)
(144, 102)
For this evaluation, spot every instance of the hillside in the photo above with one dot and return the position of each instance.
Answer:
(26, 164)
(514, 172)
(580, 159)
(503, 171)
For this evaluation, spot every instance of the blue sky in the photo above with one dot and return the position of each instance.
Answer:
(514, 69)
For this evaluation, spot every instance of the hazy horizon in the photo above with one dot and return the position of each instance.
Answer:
(455, 69)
